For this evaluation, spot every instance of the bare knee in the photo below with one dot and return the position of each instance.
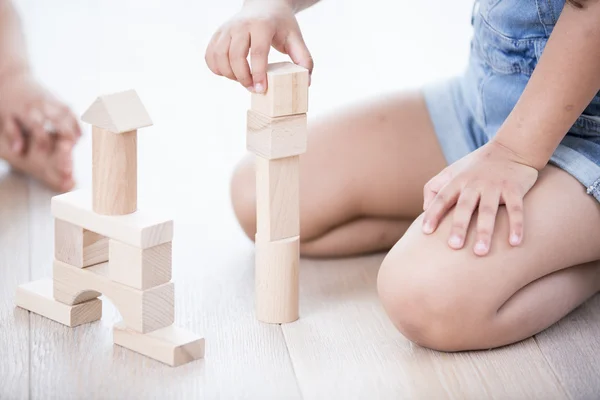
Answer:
(243, 196)
(431, 308)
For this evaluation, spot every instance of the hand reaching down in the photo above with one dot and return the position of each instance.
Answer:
(252, 31)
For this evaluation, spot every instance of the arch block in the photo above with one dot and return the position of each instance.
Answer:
(142, 310)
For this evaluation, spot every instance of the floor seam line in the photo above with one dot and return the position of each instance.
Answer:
(287, 347)
(535, 339)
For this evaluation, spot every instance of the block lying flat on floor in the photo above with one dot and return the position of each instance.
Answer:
(276, 280)
(142, 310)
(143, 228)
(140, 268)
(77, 246)
(287, 91)
(170, 345)
(275, 137)
(277, 198)
(37, 297)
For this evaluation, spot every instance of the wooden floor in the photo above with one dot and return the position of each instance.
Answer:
(343, 347)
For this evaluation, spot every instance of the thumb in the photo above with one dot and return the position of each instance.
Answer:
(298, 52)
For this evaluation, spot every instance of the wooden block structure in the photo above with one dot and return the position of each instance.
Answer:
(105, 245)
(276, 134)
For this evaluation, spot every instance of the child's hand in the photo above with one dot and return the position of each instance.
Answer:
(27, 110)
(257, 27)
(488, 177)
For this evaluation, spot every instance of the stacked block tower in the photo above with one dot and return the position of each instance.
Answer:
(105, 245)
(276, 134)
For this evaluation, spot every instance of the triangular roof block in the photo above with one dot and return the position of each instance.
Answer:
(118, 112)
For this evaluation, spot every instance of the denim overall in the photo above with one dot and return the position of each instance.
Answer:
(508, 40)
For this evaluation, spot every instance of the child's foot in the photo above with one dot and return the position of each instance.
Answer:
(37, 132)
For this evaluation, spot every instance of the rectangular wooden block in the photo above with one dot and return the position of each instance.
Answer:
(287, 91)
(276, 137)
(142, 310)
(37, 297)
(278, 197)
(276, 280)
(143, 228)
(170, 345)
(140, 268)
(77, 246)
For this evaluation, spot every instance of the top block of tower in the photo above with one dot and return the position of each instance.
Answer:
(118, 112)
(287, 91)
(115, 119)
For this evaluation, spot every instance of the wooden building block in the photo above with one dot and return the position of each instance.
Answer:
(273, 138)
(77, 246)
(140, 268)
(118, 112)
(276, 279)
(115, 119)
(114, 172)
(277, 198)
(287, 91)
(143, 228)
(170, 345)
(142, 310)
(37, 297)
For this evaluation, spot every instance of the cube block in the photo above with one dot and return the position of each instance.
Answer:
(140, 268)
(274, 138)
(287, 91)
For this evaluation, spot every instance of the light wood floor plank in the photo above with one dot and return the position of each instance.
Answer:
(14, 270)
(343, 346)
(572, 348)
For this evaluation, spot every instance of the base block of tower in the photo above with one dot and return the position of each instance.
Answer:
(276, 280)
(170, 345)
(37, 297)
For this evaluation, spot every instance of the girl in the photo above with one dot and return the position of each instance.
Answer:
(37, 131)
(488, 185)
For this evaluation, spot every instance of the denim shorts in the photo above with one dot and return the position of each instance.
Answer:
(508, 39)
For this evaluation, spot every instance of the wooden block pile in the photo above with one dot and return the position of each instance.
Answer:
(105, 245)
(276, 134)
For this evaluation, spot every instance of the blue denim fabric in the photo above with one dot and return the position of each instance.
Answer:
(508, 41)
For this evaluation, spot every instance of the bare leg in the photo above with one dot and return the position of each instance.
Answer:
(364, 171)
(361, 236)
(454, 300)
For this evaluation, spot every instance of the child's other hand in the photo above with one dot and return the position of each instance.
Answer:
(485, 179)
(27, 110)
(258, 26)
